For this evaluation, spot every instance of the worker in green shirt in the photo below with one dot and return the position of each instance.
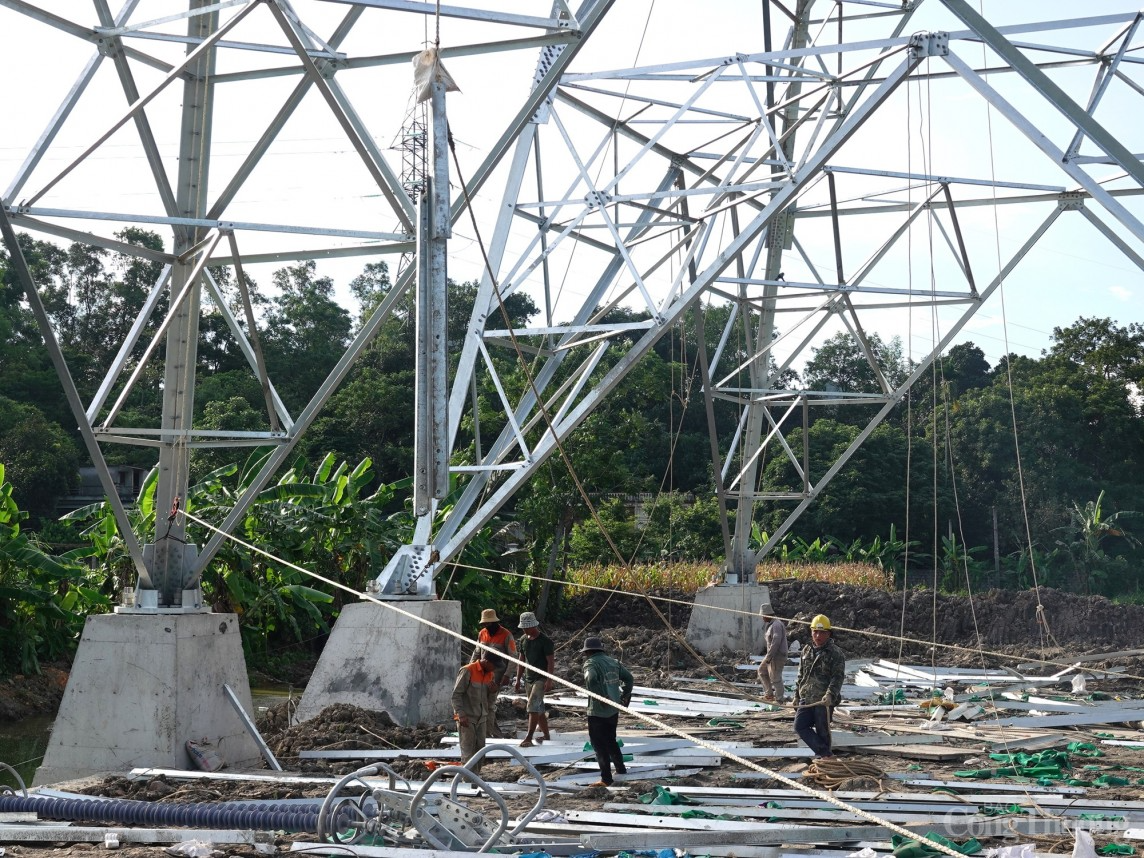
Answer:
(539, 652)
(607, 677)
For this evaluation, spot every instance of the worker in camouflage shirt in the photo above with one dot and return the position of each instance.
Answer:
(818, 689)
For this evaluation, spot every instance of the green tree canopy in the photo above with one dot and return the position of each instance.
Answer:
(306, 332)
(43, 463)
(842, 364)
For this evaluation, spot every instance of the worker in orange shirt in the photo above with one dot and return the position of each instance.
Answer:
(496, 636)
(471, 701)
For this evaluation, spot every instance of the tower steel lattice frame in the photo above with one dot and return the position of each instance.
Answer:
(763, 179)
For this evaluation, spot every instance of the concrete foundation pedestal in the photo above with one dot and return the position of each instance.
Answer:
(727, 615)
(377, 658)
(141, 685)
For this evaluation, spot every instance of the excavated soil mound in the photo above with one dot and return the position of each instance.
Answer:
(342, 727)
(996, 618)
(870, 621)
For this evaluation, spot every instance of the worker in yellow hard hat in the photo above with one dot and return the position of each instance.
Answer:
(818, 688)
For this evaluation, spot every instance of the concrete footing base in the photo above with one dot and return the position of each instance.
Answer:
(727, 615)
(377, 658)
(141, 685)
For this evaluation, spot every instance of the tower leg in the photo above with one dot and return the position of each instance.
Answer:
(142, 685)
(727, 615)
(379, 659)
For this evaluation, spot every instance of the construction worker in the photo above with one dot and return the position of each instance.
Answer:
(818, 688)
(539, 652)
(493, 634)
(605, 676)
(471, 701)
(774, 659)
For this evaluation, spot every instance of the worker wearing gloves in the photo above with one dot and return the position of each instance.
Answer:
(496, 636)
(818, 688)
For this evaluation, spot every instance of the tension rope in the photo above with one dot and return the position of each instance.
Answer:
(642, 716)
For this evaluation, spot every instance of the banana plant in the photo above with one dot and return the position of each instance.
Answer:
(1087, 533)
(331, 521)
(44, 599)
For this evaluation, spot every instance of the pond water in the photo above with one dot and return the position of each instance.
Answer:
(23, 743)
(22, 746)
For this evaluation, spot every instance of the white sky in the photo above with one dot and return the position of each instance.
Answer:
(313, 177)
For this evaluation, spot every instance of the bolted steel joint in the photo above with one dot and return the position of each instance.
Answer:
(930, 44)
(1070, 202)
(596, 199)
(108, 46)
(327, 68)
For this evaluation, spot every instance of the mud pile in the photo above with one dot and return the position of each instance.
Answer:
(1028, 619)
(871, 621)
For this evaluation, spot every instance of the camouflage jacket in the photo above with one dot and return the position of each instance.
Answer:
(820, 669)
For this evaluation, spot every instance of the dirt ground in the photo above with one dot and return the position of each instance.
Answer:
(1011, 627)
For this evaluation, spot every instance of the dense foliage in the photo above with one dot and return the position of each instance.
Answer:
(1009, 475)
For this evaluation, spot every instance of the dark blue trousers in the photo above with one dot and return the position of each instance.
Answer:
(812, 725)
(602, 735)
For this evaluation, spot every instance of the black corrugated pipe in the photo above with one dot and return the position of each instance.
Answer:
(263, 817)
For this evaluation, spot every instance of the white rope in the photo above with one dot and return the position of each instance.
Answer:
(655, 722)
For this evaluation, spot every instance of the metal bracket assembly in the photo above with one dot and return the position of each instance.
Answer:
(392, 814)
(930, 44)
(406, 574)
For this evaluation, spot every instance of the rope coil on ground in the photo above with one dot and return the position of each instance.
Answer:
(832, 772)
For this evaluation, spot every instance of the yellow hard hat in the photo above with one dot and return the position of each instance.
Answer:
(820, 622)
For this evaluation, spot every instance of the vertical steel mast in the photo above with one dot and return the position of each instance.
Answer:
(170, 558)
(776, 184)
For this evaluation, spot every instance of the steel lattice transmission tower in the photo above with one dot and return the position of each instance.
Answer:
(784, 178)
(413, 144)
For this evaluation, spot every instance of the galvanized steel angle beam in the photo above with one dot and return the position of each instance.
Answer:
(485, 309)
(61, 833)
(824, 813)
(680, 305)
(1051, 91)
(1111, 712)
(727, 171)
(470, 13)
(1094, 187)
(951, 824)
(343, 111)
(921, 367)
(24, 276)
(763, 834)
(306, 417)
(909, 801)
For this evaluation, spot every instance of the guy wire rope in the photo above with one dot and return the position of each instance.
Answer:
(699, 742)
(921, 644)
(1042, 625)
(543, 410)
(909, 393)
(927, 153)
